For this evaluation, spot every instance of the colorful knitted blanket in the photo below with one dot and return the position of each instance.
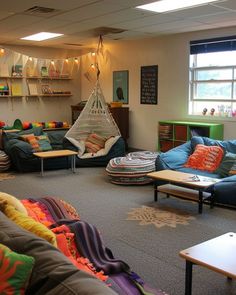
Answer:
(82, 243)
(132, 169)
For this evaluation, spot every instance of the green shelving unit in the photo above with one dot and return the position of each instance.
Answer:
(175, 133)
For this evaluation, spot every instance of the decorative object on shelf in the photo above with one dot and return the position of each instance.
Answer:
(46, 89)
(120, 86)
(149, 84)
(16, 71)
(204, 111)
(16, 89)
(116, 104)
(4, 89)
(44, 71)
(33, 88)
(212, 112)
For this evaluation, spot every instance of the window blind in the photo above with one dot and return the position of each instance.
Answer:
(213, 45)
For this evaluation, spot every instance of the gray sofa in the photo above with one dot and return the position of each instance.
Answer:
(174, 159)
(53, 273)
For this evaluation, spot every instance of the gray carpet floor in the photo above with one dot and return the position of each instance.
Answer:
(151, 252)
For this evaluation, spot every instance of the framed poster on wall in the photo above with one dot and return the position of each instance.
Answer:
(149, 84)
(121, 86)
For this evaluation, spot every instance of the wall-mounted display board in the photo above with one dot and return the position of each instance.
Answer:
(149, 84)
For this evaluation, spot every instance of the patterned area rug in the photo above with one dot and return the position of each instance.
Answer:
(4, 176)
(162, 216)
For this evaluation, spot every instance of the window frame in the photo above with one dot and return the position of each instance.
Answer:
(194, 82)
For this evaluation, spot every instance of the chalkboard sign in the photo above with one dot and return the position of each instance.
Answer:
(149, 75)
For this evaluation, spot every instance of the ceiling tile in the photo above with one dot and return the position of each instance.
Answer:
(16, 21)
(22, 5)
(168, 26)
(147, 21)
(195, 12)
(217, 19)
(230, 4)
(89, 11)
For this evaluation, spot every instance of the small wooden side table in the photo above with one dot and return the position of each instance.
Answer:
(55, 154)
(217, 254)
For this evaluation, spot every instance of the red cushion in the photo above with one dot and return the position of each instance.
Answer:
(206, 158)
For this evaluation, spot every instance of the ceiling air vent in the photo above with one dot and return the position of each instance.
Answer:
(107, 30)
(41, 11)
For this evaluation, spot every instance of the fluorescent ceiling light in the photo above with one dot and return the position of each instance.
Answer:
(170, 5)
(41, 36)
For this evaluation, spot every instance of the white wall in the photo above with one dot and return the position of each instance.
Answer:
(40, 109)
(171, 54)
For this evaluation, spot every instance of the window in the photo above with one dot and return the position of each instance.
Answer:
(212, 82)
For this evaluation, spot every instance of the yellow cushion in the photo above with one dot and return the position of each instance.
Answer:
(11, 200)
(28, 223)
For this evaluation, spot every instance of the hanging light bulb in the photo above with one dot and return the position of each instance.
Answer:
(92, 66)
(52, 62)
(30, 58)
(76, 60)
(2, 50)
(66, 60)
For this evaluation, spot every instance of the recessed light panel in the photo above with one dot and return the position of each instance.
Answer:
(41, 36)
(170, 5)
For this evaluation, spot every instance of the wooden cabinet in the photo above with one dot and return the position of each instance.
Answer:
(174, 133)
(120, 115)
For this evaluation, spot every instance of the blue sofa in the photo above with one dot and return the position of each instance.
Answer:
(174, 159)
(23, 160)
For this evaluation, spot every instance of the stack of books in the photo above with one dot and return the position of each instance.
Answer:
(166, 131)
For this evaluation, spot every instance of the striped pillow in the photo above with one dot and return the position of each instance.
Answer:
(94, 143)
(32, 140)
(207, 158)
(227, 165)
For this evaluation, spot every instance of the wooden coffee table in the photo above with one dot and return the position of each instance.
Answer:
(56, 154)
(217, 254)
(184, 185)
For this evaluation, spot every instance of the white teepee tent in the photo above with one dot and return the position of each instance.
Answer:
(95, 118)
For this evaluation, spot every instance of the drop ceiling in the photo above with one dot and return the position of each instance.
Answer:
(82, 21)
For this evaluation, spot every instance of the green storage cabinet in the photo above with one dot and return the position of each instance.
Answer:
(174, 133)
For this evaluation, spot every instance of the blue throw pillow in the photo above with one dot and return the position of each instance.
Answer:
(226, 164)
(44, 143)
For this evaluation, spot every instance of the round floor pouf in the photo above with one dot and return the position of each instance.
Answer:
(145, 155)
(128, 170)
(5, 162)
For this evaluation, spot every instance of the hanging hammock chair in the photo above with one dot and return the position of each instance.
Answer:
(95, 131)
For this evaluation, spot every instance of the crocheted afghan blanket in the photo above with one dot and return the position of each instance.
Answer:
(82, 243)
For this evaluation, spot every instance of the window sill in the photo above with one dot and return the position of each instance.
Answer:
(212, 118)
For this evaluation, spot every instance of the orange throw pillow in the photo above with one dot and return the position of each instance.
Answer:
(31, 139)
(205, 158)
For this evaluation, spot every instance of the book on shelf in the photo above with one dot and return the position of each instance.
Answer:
(16, 71)
(44, 72)
(33, 89)
(16, 89)
(4, 70)
(46, 89)
(4, 89)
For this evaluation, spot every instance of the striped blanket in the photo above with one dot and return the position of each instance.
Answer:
(82, 243)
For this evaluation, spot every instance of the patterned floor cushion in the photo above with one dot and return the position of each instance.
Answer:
(132, 169)
(5, 162)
